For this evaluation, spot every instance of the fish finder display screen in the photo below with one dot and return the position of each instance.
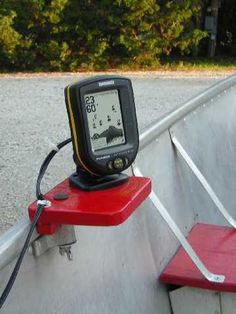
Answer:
(104, 119)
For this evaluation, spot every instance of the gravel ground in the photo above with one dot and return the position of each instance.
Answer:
(33, 117)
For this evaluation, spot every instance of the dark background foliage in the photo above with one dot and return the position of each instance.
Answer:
(71, 35)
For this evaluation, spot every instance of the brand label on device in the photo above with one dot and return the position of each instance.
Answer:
(105, 83)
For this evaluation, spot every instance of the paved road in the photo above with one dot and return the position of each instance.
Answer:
(33, 116)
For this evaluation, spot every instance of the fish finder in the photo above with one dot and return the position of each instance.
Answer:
(104, 130)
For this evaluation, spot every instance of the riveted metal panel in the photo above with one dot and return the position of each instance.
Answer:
(113, 271)
(208, 136)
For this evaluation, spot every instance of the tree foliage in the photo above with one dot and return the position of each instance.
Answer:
(92, 34)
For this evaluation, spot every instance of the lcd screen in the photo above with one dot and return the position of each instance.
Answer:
(104, 119)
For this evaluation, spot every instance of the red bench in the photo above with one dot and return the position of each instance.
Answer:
(216, 247)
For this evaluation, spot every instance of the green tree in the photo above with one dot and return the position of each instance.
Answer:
(10, 39)
(109, 33)
(112, 33)
(177, 26)
(95, 34)
(38, 23)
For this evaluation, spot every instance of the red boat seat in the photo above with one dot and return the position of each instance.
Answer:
(216, 247)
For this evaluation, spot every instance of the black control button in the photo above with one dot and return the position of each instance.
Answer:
(110, 165)
(61, 196)
(118, 164)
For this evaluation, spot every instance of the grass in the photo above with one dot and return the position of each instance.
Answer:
(199, 64)
(184, 64)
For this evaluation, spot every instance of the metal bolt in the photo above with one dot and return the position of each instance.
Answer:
(66, 250)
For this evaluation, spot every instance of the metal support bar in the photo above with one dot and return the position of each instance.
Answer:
(203, 181)
(179, 235)
(63, 238)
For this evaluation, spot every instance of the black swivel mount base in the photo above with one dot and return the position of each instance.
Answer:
(85, 181)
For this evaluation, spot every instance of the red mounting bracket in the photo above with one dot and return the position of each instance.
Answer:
(109, 207)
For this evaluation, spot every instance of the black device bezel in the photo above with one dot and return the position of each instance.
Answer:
(96, 162)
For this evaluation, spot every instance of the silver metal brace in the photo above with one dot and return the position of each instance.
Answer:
(179, 235)
(202, 180)
(63, 238)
